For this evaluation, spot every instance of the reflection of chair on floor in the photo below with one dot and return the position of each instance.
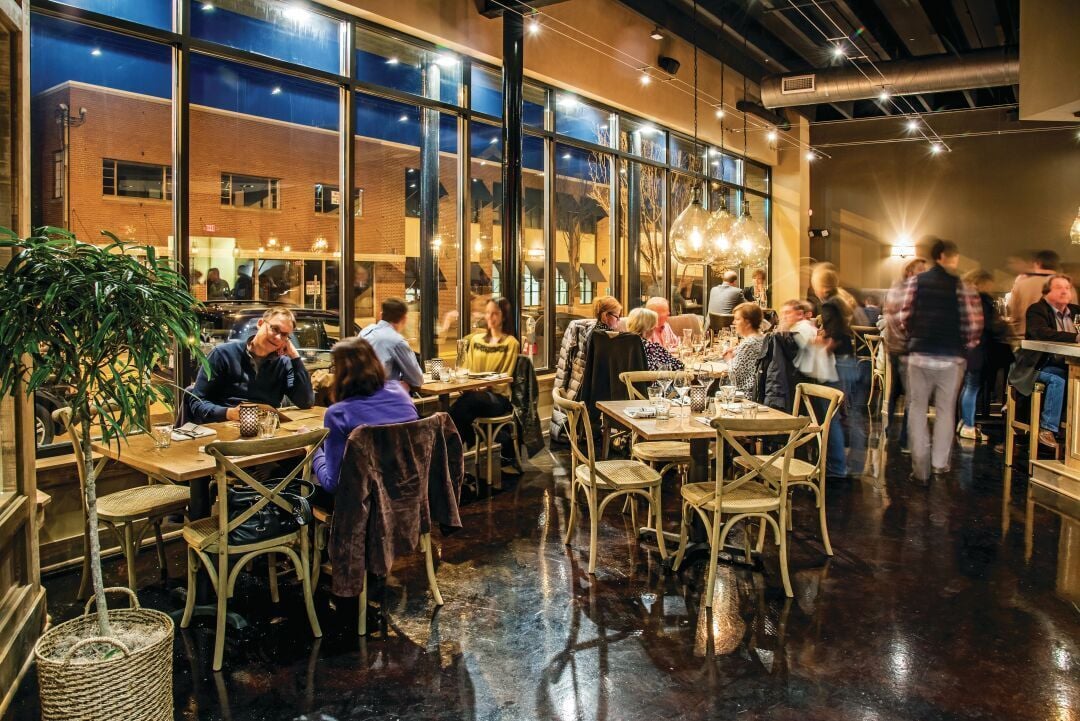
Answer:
(208, 538)
(615, 478)
(129, 513)
(761, 491)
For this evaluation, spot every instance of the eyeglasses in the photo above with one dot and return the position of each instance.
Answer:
(276, 330)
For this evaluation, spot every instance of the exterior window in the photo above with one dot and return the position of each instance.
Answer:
(135, 180)
(530, 289)
(245, 191)
(328, 199)
(562, 290)
(586, 287)
(58, 174)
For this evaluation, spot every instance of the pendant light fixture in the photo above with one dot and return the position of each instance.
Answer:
(688, 232)
(753, 248)
(718, 234)
(1074, 231)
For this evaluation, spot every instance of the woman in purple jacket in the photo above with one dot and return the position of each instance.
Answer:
(362, 397)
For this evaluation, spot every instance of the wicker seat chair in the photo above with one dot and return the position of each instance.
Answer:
(759, 491)
(615, 479)
(129, 513)
(208, 538)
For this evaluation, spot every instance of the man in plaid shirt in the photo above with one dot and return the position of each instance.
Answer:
(942, 319)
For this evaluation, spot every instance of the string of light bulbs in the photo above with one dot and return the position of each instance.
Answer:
(951, 136)
(636, 65)
(916, 122)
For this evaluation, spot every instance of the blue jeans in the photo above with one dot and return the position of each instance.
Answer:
(1054, 378)
(969, 398)
(851, 432)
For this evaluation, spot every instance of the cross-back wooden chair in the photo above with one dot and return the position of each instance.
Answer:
(757, 489)
(208, 538)
(615, 479)
(666, 454)
(129, 513)
(811, 474)
(879, 369)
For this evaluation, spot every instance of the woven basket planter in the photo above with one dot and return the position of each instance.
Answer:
(133, 686)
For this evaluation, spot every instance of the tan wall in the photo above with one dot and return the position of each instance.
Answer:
(790, 220)
(995, 194)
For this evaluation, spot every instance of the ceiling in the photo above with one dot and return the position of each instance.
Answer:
(768, 37)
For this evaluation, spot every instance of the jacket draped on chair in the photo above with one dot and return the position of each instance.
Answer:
(394, 480)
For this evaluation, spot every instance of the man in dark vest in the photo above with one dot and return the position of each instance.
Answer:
(941, 318)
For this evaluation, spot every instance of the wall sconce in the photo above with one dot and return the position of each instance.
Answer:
(902, 251)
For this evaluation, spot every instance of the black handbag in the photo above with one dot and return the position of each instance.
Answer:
(271, 520)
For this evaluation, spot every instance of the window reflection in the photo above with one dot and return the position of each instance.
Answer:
(582, 231)
(394, 63)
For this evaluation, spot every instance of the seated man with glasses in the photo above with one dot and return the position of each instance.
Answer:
(262, 368)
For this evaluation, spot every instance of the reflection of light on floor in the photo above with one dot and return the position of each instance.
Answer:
(727, 626)
(1062, 658)
(900, 661)
(1066, 703)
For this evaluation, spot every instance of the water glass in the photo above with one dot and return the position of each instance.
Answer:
(749, 411)
(663, 409)
(268, 424)
(727, 394)
(161, 433)
(655, 392)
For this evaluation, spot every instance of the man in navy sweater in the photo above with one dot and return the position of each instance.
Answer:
(263, 368)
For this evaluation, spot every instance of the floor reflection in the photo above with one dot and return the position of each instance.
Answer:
(927, 611)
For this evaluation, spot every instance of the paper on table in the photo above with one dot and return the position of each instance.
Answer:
(641, 412)
(188, 431)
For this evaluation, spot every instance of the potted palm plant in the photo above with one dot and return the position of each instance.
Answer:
(101, 319)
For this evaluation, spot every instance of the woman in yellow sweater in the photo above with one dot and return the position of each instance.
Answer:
(494, 350)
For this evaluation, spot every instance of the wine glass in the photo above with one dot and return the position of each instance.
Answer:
(682, 386)
(665, 383)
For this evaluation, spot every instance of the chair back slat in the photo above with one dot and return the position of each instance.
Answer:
(631, 378)
(223, 453)
(732, 431)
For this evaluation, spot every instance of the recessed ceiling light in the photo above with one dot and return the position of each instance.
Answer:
(95, 52)
(493, 140)
(276, 91)
(207, 7)
(403, 119)
(391, 61)
(566, 156)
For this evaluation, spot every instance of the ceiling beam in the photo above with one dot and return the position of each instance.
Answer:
(946, 24)
(680, 23)
(875, 22)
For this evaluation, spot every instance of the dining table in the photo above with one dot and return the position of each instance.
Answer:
(444, 389)
(186, 462)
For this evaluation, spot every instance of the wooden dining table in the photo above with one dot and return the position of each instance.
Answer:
(681, 426)
(443, 389)
(186, 462)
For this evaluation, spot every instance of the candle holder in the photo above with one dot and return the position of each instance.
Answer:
(699, 397)
(249, 420)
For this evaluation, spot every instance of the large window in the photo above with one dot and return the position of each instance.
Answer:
(266, 185)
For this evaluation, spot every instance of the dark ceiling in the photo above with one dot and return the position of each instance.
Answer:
(767, 37)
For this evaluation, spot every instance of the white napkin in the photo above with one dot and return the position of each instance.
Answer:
(641, 412)
(189, 431)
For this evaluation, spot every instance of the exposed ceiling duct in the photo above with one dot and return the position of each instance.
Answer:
(943, 73)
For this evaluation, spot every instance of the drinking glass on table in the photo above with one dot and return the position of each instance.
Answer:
(161, 434)
(655, 392)
(682, 387)
(268, 424)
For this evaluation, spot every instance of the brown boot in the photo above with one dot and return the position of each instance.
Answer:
(1046, 438)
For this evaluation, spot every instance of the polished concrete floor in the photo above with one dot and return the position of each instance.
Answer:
(927, 611)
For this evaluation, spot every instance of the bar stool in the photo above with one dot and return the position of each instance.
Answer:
(1014, 424)
(487, 429)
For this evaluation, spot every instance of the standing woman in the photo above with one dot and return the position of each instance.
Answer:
(493, 350)
(837, 308)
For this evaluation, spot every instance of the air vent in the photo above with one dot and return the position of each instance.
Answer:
(795, 84)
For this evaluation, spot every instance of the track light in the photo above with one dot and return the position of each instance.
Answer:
(913, 125)
(656, 34)
(936, 148)
(883, 95)
(534, 26)
(645, 77)
(811, 156)
(772, 136)
(838, 51)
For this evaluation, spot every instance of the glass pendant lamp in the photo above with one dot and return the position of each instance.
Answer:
(752, 245)
(688, 232)
(1074, 231)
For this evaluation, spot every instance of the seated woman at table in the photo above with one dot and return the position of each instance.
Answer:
(362, 396)
(642, 322)
(743, 360)
(493, 350)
